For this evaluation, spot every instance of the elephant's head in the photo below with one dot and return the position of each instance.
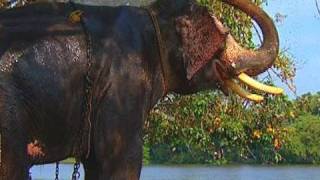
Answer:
(208, 53)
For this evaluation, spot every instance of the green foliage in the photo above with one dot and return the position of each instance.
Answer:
(303, 145)
(238, 22)
(206, 128)
(309, 103)
(284, 68)
(167, 127)
(146, 155)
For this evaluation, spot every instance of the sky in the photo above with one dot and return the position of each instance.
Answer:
(300, 34)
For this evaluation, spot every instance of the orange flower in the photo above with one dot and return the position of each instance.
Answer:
(277, 144)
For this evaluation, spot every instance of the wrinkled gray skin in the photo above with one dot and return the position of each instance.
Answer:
(42, 81)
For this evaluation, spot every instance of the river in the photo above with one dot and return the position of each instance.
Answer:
(242, 172)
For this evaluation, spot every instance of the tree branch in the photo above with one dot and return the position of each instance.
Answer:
(317, 6)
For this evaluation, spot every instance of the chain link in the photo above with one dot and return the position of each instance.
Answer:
(30, 177)
(87, 106)
(76, 173)
(57, 170)
(0, 151)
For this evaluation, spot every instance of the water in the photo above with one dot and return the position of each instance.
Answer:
(200, 172)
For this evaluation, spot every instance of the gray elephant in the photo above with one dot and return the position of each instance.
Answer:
(79, 80)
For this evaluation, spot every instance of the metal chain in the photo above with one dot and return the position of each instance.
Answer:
(1, 168)
(76, 173)
(57, 170)
(88, 87)
(87, 99)
(87, 106)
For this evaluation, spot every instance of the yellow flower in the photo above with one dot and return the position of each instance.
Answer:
(292, 114)
(270, 130)
(217, 123)
(257, 134)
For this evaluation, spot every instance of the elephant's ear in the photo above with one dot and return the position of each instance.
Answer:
(201, 36)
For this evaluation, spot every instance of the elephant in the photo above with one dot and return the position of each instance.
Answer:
(79, 81)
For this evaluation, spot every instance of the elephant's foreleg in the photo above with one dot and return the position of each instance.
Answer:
(113, 163)
(91, 167)
(14, 157)
(117, 132)
(14, 164)
(117, 149)
(123, 160)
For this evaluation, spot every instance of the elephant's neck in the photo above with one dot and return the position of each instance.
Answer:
(171, 61)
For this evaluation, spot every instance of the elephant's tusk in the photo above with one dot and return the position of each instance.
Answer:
(259, 86)
(242, 93)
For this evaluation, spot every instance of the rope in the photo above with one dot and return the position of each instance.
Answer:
(161, 46)
(77, 17)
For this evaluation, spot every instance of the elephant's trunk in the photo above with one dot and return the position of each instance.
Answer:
(252, 62)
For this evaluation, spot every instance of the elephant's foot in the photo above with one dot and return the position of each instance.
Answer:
(128, 173)
(123, 166)
(95, 171)
(91, 169)
(13, 171)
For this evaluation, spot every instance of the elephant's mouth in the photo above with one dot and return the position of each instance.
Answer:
(228, 81)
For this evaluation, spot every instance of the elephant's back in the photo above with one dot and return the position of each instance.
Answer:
(49, 53)
(46, 73)
(36, 21)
